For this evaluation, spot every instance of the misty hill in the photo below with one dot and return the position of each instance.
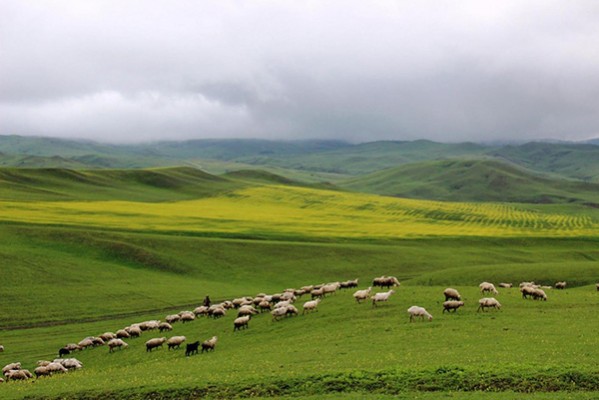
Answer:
(310, 160)
(473, 180)
(579, 161)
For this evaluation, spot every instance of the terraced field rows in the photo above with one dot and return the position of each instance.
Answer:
(307, 212)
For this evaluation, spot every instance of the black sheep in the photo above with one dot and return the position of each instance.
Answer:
(192, 348)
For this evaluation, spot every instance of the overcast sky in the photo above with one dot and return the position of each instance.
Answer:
(126, 71)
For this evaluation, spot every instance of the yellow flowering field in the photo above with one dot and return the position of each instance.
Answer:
(295, 211)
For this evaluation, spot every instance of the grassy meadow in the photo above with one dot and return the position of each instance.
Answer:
(90, 261)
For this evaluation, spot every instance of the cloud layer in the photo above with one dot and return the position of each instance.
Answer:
(127, 71)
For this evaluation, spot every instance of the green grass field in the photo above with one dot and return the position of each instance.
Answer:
(98, 261)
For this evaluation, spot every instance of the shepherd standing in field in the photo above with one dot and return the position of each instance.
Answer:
(207, 301)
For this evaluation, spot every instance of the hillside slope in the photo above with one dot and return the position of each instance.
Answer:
(472, 180)
(161, 184)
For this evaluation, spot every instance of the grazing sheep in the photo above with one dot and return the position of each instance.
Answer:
(154, 343)
(330, 288)
(278, 312)
(311, 306)
(42, 363)
(452, 305)
(381, 296)
(241, 322)
(201, 310)
(192, 348)
(134, 331)
(175, 342)
(1, 348)
(85, 343)
(533, 292)
(317, 293)
(349, 284)
(283, 304)
(539, 294)
(246, 310)
(70, 363)
(18, 374)
(114, 343)
(488, 302)
(165, 326)
(218, 312)
(416, 311)
(11, 366)
(597, 286)
(487, 287)
(149, 325)
(41, 371)
(451, 294)
(505, 285)
(531, 283)
(122, 334)
(362, 294)
(264, 305)
(187, 316)
(63, 352)
(291, 310)
(172, 318)
(56, 367)
(288, 296)
(72, 346)
(385, 281)
(210, 344)
(560, 285)
(106, 336)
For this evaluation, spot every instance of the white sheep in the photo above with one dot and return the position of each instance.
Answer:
(362, 294)
(241, 322)
(311, 306)
(175, 342)
(278, 312)
(487, 287)
(11, 366)
(505, 285)
(106, 336)
(452, 305)
(70, 363)
(560, 285)
(187, 316)
(201, 310)
(381, 296)
(172, 318)
(1, 348)
(154, 343)
(210, 344)
(122, 334)
(19, 374)
(114, 343)
(416, 311)
(85, 343)
(165, 326)
(247, 310)
(134, 330)
(488, 302)
(451, 294)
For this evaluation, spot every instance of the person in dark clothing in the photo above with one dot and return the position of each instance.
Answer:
(207, 301)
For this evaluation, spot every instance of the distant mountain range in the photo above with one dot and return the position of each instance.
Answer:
(536, 172)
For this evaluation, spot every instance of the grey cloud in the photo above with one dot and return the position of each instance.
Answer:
(140, 70)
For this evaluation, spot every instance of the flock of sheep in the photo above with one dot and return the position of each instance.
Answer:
(279, 305)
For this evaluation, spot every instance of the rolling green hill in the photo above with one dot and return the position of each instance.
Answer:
(160, 184)
(473, 180)
(578, 161)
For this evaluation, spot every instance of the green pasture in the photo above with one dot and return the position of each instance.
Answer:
(82, 266)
